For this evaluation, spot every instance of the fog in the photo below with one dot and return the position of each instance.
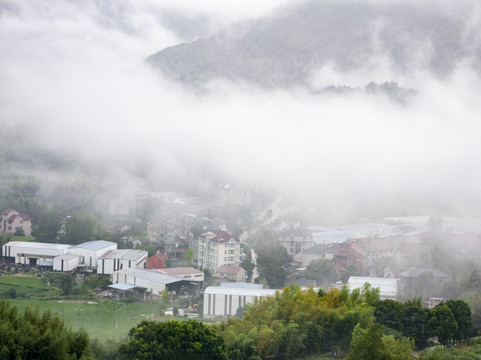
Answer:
(73, 76)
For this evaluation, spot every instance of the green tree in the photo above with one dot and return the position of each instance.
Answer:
(442, 323)
(47, 228)
(372, 344)
(81, 227)
(351, 270)
(462, 314)
(173, 340)
(271, 263)
(321, 270)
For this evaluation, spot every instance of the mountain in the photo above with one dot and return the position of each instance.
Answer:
(286, 48)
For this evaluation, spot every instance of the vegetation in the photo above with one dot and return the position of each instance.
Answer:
(179, 340)
(34, 336)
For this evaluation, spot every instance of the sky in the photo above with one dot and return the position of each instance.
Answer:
(73, 74)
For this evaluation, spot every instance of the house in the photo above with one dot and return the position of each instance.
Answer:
(161, 232)
(23, 252)
(408, 278)
(157, 261)
(224, 301)
(120, 259)
(314, 253)
(90, 251)
(295, 244)
(11, 221)
(350, 252)
(217, 248)
(231, 273)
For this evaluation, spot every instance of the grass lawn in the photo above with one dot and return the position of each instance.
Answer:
(98, 324)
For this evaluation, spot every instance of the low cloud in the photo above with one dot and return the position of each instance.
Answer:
(74, 77)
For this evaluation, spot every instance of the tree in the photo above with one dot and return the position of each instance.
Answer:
(19, 232)
(371, 344)
(321, 270)
(248, 265)
(48, 227)
(81, 227)
(351, 270)
(442, 323)
(271, 263)
(462, 314)
(173, 340)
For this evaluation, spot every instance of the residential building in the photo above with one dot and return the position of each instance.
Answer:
(231, 273)
(217, 248)
(408, 278)
(11, 220)
(157, 261)
(296, 243)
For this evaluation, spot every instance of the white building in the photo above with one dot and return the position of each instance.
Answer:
(154, 281)
(90, 251)
(217, 248)
(224, 301)
(189, 273)
(67, 262)
(388, 287)
(30, 252)
(120, 259)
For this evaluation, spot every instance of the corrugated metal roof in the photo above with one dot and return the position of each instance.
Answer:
(94, 245)
(219, 290)
(66, 257)
(124, 287)
(150, 275)
(38, 245)
(125, 254)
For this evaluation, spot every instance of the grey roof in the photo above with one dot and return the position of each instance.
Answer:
(415, 272)
(125, 254)
(38, 245)
(124, 287)
(241, 285)
(151, 275)
(94, 245)
(316, 249)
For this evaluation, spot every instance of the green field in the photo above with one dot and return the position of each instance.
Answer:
(103, 324)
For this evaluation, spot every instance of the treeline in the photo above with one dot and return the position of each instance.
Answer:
(297, 323)
(293, 324)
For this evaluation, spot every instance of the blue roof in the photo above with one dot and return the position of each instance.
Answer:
(94, 245)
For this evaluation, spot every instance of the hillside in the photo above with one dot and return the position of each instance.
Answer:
(286, 48)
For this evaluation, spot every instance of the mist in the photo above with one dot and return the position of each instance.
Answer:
(73, 78)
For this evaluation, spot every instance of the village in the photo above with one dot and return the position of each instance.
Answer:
(214, 262)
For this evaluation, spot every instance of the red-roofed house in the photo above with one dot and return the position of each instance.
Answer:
(11, 220)
(231, 273)
(157, 261)
(217, 248)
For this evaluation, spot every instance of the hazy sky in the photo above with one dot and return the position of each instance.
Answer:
(73, 73)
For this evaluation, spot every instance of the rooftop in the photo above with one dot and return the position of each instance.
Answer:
(38, 245)
(229, 269)
(222, 290)
(179, 271)
(125, 254)
(241, 285)
(94, 245)
(388, 286)
(151, 275)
